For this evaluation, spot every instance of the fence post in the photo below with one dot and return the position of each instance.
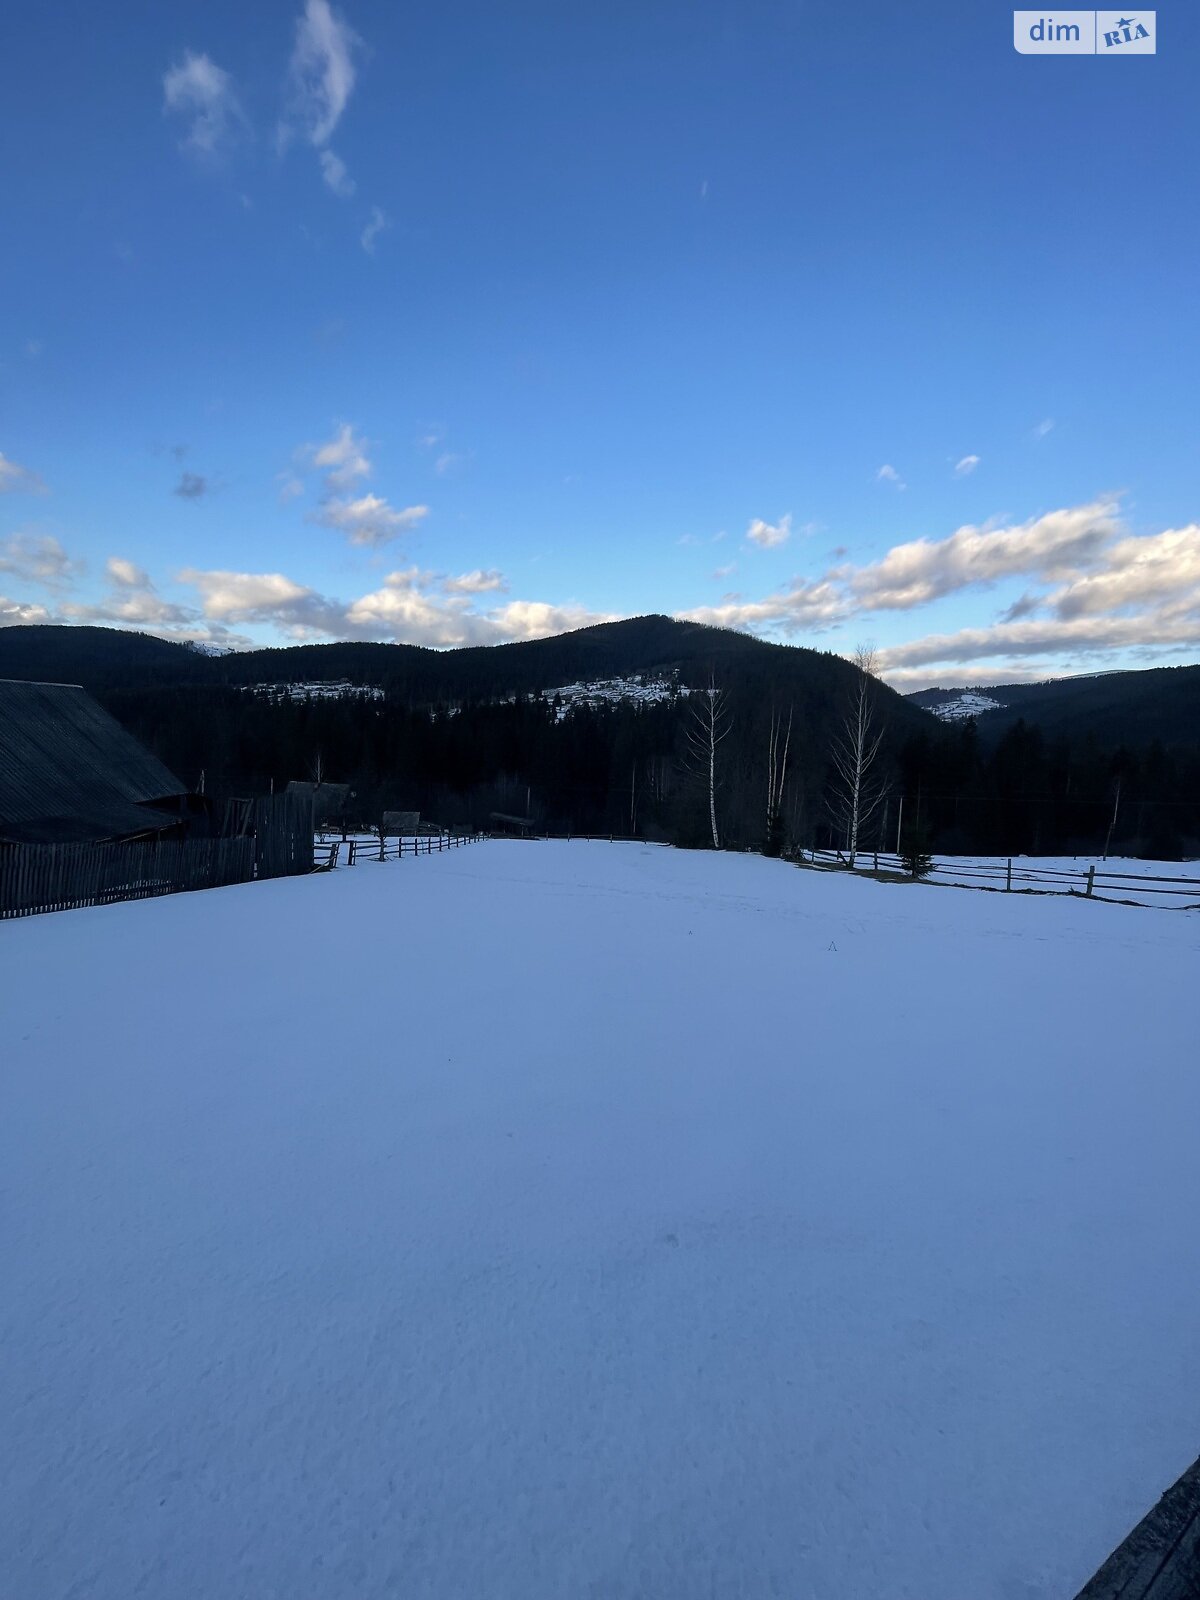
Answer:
(1008, 880)
(1091, 881)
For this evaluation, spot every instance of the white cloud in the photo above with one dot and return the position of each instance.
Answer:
(321, 73)
(888, 474)
(1162, 569)
(290, 486)
(369, 520)
(378, 222)
(767, 535)
(809, 606)
(1049, 546)
(1082, 636)
(237, 596)
(343, 458)
(965, 467)
(37, 558)
(125, 574)
(14, 478)
(265, 597)
(1043, 428)
(333, 170)
(477, 582)
(16, 614)
(132, 602)
(419, 608)
(725, 571)
(535, 619)
(1099, 591)
(199, 90)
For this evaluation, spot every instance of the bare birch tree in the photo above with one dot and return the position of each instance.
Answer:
(855, 753)
(777, 760)
(706, 725)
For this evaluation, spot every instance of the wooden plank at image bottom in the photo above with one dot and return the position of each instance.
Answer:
(1160, 1560)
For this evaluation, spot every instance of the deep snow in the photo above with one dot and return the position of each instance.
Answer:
(544, 1220)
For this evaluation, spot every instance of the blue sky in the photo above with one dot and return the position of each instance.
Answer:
(467, 323)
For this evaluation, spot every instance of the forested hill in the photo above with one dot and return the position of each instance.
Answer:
(109, 659)
(587, 732)
(1117, 708)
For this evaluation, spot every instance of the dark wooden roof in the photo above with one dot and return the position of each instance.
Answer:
(1160, 1560)
(69, 771)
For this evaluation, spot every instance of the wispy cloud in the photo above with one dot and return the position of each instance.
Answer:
(132, 601)
(1043, 428)
(16, 479)
(202, 93)
(333, 170)
(191, 486)
(375, 226)
(343, 459)
(965, 467)
(321, 73)
(888, 474)
(36, 558)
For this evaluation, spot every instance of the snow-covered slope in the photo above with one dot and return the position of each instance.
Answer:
(968, 704)
(597, 1220)
(333, 689)
(956, 705)
(643, 689)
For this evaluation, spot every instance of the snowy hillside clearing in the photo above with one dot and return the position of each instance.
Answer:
(542, 1220)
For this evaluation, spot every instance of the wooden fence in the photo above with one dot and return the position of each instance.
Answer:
(1017, 876)
(265, 838)
(59, 877)
(330, 853)
(281, 826)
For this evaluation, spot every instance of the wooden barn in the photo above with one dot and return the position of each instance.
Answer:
(70, 774)
(330, 802)
(89, 816)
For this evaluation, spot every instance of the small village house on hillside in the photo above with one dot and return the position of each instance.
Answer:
(70, 774)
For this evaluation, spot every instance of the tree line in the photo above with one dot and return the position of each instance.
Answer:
(734, 759)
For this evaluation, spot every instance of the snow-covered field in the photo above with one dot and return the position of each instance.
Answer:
(544, 1220)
